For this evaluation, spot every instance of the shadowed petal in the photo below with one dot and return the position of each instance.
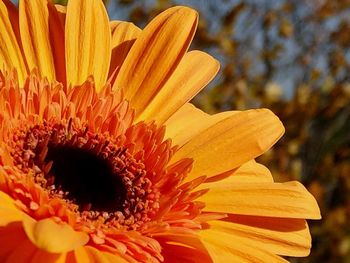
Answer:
(189, 121)
(124, 35)
(13, 238)
(194, 72)
(42, 38)
(155, 55)
(14, 19)
(8, 211)
(249, 172)
(10, 53)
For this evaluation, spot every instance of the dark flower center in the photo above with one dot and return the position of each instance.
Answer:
(97, 175)
(88, 178)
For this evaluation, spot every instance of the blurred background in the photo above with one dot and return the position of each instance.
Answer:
(292, 57)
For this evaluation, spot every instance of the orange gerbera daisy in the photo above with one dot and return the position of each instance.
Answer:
(102, 158)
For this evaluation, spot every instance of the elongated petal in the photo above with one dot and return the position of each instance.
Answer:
(194, 72)
(252, 172)
(88, 42)
(56, 29)
(249, 172)
(8, 211)
(231, 142)
(285, 200)
(52, 237)
(281, 236)
(12, 11)
(189, 121)
(10, 53)
(42, 38)
(124, 35)
(155, 55)
(180, 126)
(226, 248)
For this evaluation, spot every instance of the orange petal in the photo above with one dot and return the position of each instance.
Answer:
(178, 247)
(10, 53)
(155, 55)
(103, 257)
(180, 126)
(174, 253)
(56, 28)
(250, 172)
(8, 211)
(285, 200)
(41, 256)
(194, 72)
(21, 253)
(231, 142)
(14, 18)
(88, 42)
(124, 35)
(12, 237)
(79, 255)
(52, 237)
(281, 236)
(224, 247)
(42, 38)
(16, 247)
(89, 254)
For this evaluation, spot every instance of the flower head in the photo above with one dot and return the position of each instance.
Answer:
(102, 158)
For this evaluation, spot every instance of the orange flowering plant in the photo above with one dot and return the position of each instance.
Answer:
(103, 158)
